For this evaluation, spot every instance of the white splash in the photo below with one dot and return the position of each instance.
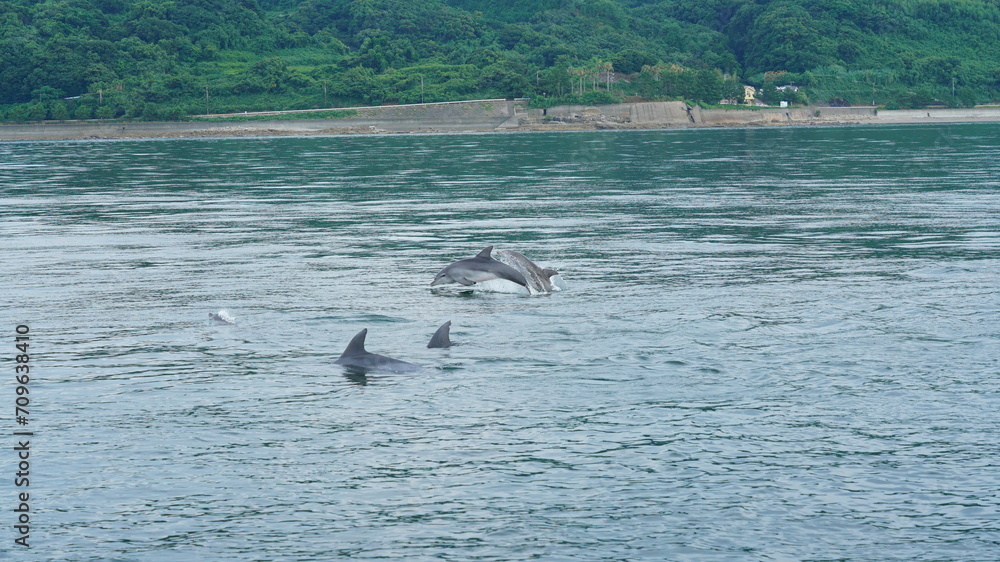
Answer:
(222, 317)
(500, 286)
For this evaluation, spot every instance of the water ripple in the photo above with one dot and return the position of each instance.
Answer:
(774, 344)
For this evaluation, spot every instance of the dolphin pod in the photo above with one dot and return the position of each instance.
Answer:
(508, 264)
(356, 357)
(514, 267)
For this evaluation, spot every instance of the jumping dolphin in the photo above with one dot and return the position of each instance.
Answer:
(539, 279)
(480, 268)
(440, 338)
(356, 357)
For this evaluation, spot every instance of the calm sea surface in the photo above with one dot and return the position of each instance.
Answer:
(774, 344)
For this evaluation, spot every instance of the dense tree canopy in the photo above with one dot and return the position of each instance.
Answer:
(163, 59)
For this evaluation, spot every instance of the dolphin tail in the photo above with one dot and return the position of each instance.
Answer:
(509, 273)
(441, 336)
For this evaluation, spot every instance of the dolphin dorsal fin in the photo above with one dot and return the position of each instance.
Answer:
(357, 345)
(440, 337)
(486, 253)
(549, 272)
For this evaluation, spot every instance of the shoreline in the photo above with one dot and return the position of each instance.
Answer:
(403, 120)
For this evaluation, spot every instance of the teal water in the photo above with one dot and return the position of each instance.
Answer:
(774, 344)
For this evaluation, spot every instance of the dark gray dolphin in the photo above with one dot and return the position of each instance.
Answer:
(539, 279)
(356, 357)
(441, 336)
(470, 271)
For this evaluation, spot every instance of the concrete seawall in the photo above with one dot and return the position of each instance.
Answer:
(680, 114)
(491, 115)
(940, 115)
(776, 115)
(645, 113)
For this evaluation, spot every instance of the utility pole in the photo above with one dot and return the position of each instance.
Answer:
(325, 104)
(206, 100)
(421, 88)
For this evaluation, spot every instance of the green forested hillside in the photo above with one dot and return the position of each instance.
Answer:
(167, 59)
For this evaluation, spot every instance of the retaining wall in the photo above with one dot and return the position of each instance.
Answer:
(785, 115)
(931, 115)
(677, 113)
(670, 112)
